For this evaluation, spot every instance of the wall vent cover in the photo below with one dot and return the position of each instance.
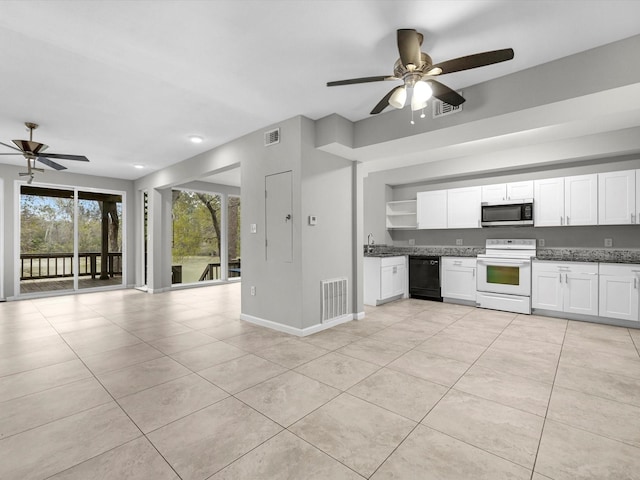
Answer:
(272, 137)
(441, 109)
(333, 298)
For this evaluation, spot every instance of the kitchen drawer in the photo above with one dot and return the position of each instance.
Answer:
(392, 261)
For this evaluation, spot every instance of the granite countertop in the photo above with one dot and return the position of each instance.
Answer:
(602, 255)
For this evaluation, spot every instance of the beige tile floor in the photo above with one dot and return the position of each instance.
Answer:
(127, 385)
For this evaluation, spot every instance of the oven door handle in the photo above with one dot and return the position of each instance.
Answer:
(504, 262)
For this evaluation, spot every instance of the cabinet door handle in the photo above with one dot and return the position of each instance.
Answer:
(635, 283)
(567, 219)
(633, 220)
(473, 270)
(560, 276)
(561, 220)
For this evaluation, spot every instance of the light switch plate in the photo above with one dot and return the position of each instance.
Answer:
(608, 242)
(412, 241)
(254, 228)
(541, 242)
(313, 220)
(458, 241)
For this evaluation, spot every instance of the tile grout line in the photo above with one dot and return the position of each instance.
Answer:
(445, 394)
(544, 421)
(121, 409)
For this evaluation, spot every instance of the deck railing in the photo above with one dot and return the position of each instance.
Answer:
(212, 271)
(36, 266)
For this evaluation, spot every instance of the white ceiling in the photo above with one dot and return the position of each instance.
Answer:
(127, 83)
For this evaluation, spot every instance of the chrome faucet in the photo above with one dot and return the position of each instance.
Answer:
(370, 243)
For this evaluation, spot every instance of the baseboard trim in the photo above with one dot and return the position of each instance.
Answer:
(299, 332)
(358, 316)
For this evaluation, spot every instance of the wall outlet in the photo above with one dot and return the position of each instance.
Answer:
(458, 241)
(608, 242)
(412, 241)
(541, 242)
(254, 228)
(253, 290)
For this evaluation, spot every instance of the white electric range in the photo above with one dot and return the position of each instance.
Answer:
(504, 275)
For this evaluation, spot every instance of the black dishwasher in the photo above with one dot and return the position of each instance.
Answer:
(424, 278)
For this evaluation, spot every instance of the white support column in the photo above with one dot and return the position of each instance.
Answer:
(224, 236)
(358, 236)
(160, 229)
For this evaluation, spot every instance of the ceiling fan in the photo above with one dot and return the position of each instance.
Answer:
(33, 151)
(416, 71)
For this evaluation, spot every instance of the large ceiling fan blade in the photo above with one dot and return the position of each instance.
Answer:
(11, 147)
(445, 94)
(353, 81)
(19, 153)
(409, 42)
(472, 61)
(384, 103)
(64, 156)
(51, 163)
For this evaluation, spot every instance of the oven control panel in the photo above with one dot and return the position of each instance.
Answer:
(511, 243)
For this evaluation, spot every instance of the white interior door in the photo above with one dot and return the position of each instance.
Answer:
(278, 217)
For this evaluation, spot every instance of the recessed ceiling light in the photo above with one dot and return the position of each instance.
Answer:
(195, 139)
(138, 166)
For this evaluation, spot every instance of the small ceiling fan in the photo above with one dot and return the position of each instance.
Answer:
(416, 70)
(33, 151)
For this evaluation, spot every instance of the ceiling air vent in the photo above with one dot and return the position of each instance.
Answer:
(272, 137)
(440, 108)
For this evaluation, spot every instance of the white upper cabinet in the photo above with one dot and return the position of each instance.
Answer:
(520, 190)
(494, 193)
(548, 203)
(566, 201)
(638, 196)
(617, 198)
(507, 191)
(581, 200)
(432, 209)
(463, 207)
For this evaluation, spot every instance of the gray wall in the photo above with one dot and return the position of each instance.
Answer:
(289, 293)
(278, 287)
(328, 247)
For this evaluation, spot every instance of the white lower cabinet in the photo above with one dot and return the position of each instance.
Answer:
(619, 286)
(385, 279)
(570, 287)
(459, 278)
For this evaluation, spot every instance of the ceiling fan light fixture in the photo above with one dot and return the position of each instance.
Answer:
(138, 166)
(421, 94)
(434, 71)
(398, 98)
(196, 139)
(422, 91)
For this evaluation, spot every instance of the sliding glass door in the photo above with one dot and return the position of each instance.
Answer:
(70, 239)
(46, 239)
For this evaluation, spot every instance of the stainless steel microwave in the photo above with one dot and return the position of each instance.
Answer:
(510, 212)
